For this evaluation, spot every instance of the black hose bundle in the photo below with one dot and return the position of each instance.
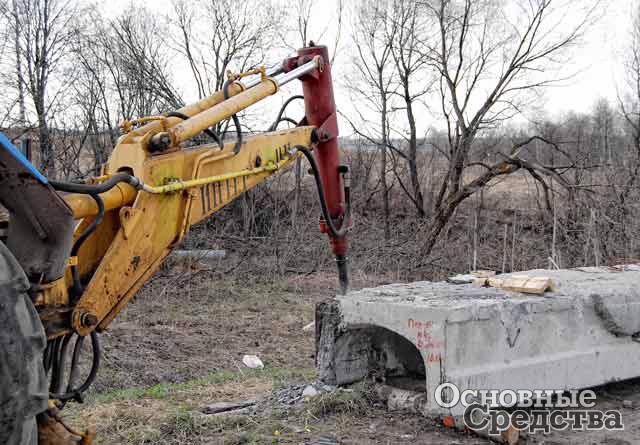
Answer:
(55, 357)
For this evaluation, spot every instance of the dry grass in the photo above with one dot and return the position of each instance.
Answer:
(165, 414)
(159, 334)
(172, 415)
(186, 326)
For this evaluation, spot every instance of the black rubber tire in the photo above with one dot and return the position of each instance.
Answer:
(23, 385)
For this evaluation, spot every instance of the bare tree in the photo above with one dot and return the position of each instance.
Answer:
(488, 57)
(7, 73)
(630, 105)
(302, 13)
(140, 64)
(11, 75)
(375, 84)
(185, 17)
(616, 204)
(603, 121)
(217, 35)
(410, 58)
(43, 30)
(22, 119)
(125, 68)
(307, 28)
(93, 89)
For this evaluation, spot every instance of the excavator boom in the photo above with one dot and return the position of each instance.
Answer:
(153, 189)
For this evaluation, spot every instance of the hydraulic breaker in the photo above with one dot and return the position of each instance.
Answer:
(320, 112)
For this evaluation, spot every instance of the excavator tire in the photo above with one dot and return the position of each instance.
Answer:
(23, 386)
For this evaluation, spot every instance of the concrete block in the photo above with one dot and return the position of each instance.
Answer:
(579, 335)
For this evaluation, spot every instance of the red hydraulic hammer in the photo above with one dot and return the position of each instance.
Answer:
(320, 111)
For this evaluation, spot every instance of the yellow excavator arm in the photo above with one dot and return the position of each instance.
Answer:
(139, 228)
(153, 189)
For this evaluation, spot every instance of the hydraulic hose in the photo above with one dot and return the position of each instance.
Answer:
(284, 119)
(333, 231)
(94, 191)
(284, 106)
(107, 185)
(341, 260)
(77, 348)
(77, 285)
(57, 373)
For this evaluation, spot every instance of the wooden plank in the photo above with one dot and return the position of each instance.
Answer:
(519, 283)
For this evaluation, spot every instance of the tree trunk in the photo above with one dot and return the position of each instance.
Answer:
(383, 168)
(21, 104)
(440, 220)
(444, 212)
(47, 161)
(385, 191)
(412, 155)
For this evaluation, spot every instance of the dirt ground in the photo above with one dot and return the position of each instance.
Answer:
(178, 348)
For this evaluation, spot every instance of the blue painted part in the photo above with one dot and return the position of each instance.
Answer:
(6, 144)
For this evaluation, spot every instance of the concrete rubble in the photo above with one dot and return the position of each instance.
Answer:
(294, 394)
(578, 335)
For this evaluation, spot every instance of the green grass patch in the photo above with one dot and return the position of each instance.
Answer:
(279, 376)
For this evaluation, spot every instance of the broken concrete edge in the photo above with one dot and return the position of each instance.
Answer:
(328, 327)
(579, 336)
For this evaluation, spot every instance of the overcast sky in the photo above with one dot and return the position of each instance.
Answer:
(596, 64)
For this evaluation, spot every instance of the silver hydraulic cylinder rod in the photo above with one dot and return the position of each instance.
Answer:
(299, 72)
(273, 71)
